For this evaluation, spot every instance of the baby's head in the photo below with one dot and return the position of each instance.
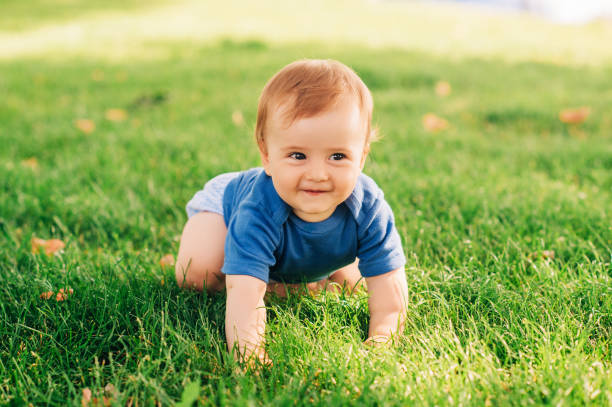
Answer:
(309, 87)
(314, 133)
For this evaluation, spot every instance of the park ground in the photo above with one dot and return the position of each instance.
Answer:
(496, 157)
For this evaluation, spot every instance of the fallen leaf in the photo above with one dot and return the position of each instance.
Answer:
(544, 254)
(110, 390)
(433, 123)
(574, 116)
(53, 246)
(443, 88)
(46, 295)
(63, 294)
(31, 163)
(237, 118)
(86, 399)
(548, 254)
(116, 115)
(167, 261)
(50, 246)
(85, 125)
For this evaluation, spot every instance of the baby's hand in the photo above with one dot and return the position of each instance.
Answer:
(378, 340)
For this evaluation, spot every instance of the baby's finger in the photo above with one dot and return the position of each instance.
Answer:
(377, 340)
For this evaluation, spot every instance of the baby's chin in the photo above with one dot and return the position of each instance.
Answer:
(313, 216)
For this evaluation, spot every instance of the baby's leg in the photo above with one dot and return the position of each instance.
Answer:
(200, 255)
(347, 276)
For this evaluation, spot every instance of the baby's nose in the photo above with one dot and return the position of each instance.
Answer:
(317, 172)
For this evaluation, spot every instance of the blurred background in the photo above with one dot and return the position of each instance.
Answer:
(559, 31)
(562, 11)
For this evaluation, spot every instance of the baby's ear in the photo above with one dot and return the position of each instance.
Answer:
(263, 153)
(366, 151)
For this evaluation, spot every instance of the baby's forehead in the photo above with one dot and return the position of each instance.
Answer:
(285, 112)
(340, 129)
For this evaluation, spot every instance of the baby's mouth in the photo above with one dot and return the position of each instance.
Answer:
(314, 191)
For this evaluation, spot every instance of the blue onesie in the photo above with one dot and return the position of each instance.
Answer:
(268, 241)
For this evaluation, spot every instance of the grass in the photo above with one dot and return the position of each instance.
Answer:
(491, 321)
(20, 16)
(98, 29)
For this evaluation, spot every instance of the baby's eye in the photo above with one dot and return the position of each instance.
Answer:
(298, 156)
(337, 156)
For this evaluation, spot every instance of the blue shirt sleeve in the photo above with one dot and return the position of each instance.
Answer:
(380, 247)
(252, 238)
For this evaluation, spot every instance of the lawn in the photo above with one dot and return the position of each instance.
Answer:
(504, 216)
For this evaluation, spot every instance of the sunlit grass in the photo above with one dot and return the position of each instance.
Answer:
(18, 15)
(504, 216)
(491, 318)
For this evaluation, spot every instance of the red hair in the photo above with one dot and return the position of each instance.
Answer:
(308, 87)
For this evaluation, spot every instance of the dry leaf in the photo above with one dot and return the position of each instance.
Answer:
(50, 246)
(237, 118)
(63, 294)
(433, 123)
(31, 163)
(574, 116)
(53, 246)
(46, 295)
(116, 115)
(86, 397)
(109, 389)
(37, 244)
(167, 261)
(544, 254)
(548, 254)
(443, 88)
(85, 125)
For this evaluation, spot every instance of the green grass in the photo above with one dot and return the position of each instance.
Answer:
(20, 15)
(488, 322)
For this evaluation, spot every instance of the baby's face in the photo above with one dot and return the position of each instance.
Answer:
(315, 162)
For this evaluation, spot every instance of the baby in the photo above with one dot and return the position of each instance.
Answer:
(308, 216)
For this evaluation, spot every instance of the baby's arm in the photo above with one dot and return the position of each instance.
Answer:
(388, 295)
(245, 316)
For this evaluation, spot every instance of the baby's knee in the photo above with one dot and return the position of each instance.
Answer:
(199, 276)
(200, 255)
